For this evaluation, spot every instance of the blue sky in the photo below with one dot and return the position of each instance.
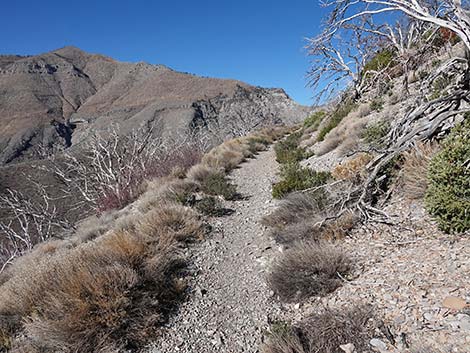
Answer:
(257, 41)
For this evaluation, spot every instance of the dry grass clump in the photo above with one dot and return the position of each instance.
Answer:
(110, 286)
(162, 191)
(345, 136)
(352, 169)
(308, 269)
(325, 332)
(231, 153)
(338, 228)
(101, 294)
(414, 172)
(201, 172)
(173, 222)
(227, 155)
(310, 229)
(296, 207)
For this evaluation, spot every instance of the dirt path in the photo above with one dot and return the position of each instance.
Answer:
(230, 303)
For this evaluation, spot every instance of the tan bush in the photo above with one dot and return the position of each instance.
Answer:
(329, 144)
(352, 169)
(338, 228)
(308, 269)
(171, 221)
(201, 172)
(297, 207)
(414, 172)
(325, 332)
(164, 191)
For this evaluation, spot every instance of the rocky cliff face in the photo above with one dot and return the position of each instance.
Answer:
(56, 100)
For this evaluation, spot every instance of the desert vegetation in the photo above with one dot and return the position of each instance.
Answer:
(308, 269)
(109, 286)
(447, 197)
(326, 331)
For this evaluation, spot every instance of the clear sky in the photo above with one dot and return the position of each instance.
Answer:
(256, 41)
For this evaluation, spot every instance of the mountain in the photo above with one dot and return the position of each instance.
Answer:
(57, 99)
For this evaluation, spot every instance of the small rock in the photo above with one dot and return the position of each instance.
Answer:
(348, 348)
(399, 320)
(376, 343)
(428, 316)
(454, 303)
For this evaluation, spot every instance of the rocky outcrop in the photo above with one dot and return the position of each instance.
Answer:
(56, 100)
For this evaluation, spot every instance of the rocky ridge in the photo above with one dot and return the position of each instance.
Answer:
(58, 99)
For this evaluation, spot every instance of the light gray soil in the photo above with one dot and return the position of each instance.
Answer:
(230, 304)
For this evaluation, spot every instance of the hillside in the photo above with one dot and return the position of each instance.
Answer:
(56, 100)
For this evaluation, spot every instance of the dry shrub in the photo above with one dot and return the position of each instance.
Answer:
(345, 136)
(308, 142)
(329, 144)
(414, 173)
(94, 297)
(231, 153)
(303, 230)
(308, 269)
(311, 230)
(95, 226)
(129, 186)
(296, 207)
(338, 228)
(171, 222)
(325, 332)
(352, 169)
(164, 191)
(222, 157)
(201, 172)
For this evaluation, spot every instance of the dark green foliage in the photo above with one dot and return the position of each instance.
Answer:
(296, 178)
(343, 110)
(439, 85)
(218, 184)
(314, 120)
(422, 74)
(374, 133)
(380, 61)
(448, 194)
(376, 105)
(288, 151)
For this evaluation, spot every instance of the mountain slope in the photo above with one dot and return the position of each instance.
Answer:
(58, 98)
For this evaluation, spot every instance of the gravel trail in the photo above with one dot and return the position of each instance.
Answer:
(230, 304)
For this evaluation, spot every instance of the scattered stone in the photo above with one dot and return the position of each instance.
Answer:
(348, 348)
(380, 345)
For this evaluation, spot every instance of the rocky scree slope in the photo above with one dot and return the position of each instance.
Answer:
(58, 99)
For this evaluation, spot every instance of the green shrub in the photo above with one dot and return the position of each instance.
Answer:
(343, 110)
(376, 105)
(374, 133)
(314, 120)
(288, 150)
(296, 178)
(218, 184)
(380, 61)
(448, 194)
(439, 85)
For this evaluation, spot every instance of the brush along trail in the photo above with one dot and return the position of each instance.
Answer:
(229, 303)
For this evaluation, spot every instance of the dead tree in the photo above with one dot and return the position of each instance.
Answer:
(28, 222)
(450, 14)
(339, 61)
(430, 116)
